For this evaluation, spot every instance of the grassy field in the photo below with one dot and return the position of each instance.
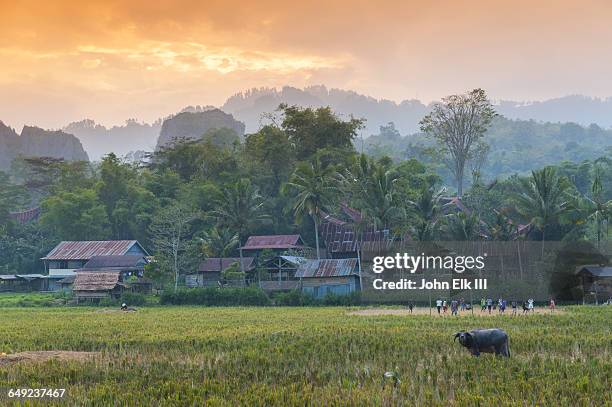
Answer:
(307, 356)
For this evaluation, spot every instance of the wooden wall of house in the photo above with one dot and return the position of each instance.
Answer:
(208, 279)
(320, 287)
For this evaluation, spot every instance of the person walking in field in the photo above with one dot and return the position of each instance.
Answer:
(454, 307)
(439, 305)
(530, 305)
(444, 306)
(513, 307)
(489, 304)
(552, 305)
(462, 304)
(410, 306)
(483, 304)
(502, 307)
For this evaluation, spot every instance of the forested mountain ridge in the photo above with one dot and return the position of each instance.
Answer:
(529, 135)
(36, 142)
(248, 107)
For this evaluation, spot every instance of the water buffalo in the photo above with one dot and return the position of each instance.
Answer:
(485, 340)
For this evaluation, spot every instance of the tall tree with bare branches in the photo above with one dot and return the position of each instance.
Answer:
(458, 125)
(170, 231)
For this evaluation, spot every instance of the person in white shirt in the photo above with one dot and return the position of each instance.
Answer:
(439, 305)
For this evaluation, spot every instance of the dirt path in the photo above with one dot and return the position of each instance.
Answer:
(434, 312)
(44, 356)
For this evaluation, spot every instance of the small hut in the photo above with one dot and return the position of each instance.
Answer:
(97, 285)
(596, 282)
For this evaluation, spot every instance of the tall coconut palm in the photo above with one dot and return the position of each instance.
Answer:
(427, 209)
(219, 242)
(313, 190)
(372, 188)
(240, 208)
(593, 208)
(542, 199)
(378, 200)
(463, 227)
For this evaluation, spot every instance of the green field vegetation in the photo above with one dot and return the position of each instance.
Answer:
(33, 299)
(308, 356)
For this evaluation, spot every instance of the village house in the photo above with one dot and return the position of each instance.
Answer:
(209, 272)
(94, 286)
(346, 236)
(329, 276)
(278, 273)
(22, 282)
(130, 266)
(596, 283)
(68, 257)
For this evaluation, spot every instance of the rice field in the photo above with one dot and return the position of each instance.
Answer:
(197, 356)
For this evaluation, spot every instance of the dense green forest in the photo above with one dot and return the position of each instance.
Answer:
(209, 195)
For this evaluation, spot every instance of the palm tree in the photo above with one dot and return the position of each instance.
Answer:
(463, 227)
(314, 191)
(219, 242)
(594, 208)
(542, 200)
(240, 208)
(378, 199)
(372, 187)
(427, 209)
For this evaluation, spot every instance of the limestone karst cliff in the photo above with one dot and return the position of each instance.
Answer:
(193, 125)
(37, 142)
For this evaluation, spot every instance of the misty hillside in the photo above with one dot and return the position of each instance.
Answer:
(249, 106)
(543, 132)
(122, 140)
(36, 142)
(516, 146)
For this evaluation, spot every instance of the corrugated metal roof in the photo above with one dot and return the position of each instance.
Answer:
(8, 277)
(25, 216)
(273, 242)
(295, 260)
(30, 276)
(327, 268)
(218, 264)
(598, 271)
(128, 261)
(342, 238)
(85, 250)
(95, 281)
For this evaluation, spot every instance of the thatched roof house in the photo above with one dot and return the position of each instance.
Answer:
(95, 285)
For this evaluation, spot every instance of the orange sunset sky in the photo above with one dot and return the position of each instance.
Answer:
(113, 60)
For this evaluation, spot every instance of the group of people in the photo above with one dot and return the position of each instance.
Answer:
(455, 306)
(501, 304)
(487, 304)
